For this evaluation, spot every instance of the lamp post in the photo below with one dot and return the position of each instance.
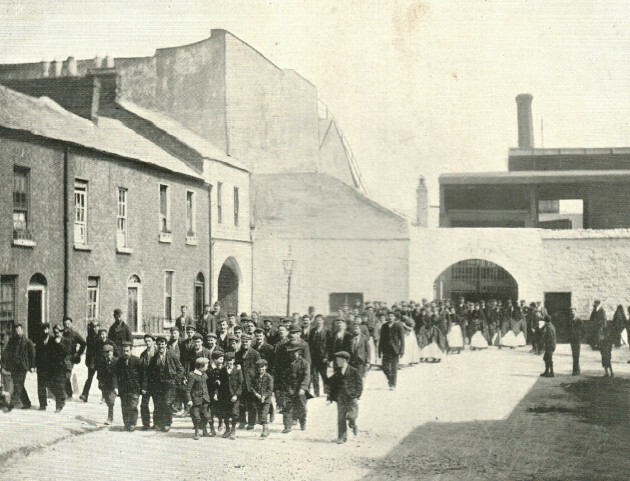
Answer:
(289, 265)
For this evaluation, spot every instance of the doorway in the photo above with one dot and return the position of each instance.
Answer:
(37, 305)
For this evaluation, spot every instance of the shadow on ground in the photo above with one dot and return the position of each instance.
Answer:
(564, 429)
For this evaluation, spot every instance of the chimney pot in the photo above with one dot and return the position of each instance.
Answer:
(98, 62)
(45, 68)
(55, 68)
(71, 67)
(525, 123)
(109, 61)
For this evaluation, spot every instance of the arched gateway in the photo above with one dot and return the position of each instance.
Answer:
(476, 279)
(228, 284)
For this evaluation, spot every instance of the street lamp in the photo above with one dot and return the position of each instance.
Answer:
(289, 265)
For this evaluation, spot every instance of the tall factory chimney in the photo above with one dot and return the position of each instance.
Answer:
(525, 123)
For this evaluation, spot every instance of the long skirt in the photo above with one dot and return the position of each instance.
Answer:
(412, 351)
(477, 341)
(512, 340)
(454, 338)
(432, 351)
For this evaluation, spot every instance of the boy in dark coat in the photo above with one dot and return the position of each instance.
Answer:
(549, 346)
(213, 372)
(229, 393)
(198, 397)
(346, 386)
(262, 390)
(128, 370)
(58, 362)
(294, 388)
(107, 381)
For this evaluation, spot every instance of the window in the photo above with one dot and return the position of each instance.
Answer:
(165, 209)
(7, 303)
(134, 303)
(21, 219)
(236, 206)
(191, 214)
(338, 299)
(561, 214)
(168, 295)
(219, 202)
(93, 298)
(121, 233)
(80, 212)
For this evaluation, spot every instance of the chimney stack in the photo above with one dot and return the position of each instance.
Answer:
(422, 214)
(109, 61)
(71, 67)
(98, 62)
(525, 123)
(45, 68)
(55, 68)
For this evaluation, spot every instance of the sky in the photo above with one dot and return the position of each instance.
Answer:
(418, 87)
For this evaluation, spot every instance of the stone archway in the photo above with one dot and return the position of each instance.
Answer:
(228, 285)
(476, 279)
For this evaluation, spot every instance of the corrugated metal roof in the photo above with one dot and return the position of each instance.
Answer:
(540, 177)
(202, 146)
(45, 118)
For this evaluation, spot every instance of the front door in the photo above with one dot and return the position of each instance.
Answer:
(35, 313)
(558, 305)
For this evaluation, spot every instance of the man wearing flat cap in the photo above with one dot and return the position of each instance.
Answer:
(194, 352)
(294, 386)
(164, 375)
(119, 332)
(346, 387)
(127, 370)
(145, 358)
(247, 357)
(107, 381)
(391, 347)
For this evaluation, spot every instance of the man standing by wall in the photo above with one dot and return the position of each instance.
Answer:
(76, 346)
(317, 342)
(576, 332)
(391, 348)
(119, 332)
(549, 346)
(40, 363)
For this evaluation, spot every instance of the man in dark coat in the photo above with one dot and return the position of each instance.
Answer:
(597, 319)
(18, 357)
(229, 393)
(208, 323)
(145, 359)
(318, 345)
(119, 332)
(270, 333)
(76, 345)
(359, 350)
(295, 335)
(58, 362)
(576, 332)
(222, 335)
(346, 387)
(295, 388)
(128, 377)
(338, 339)
(549, 346)
(247, 357)
(107, 381)
(40, 364)
(194, 351)
(391, 347)
(164, 375)
(92, 353)
(183, 321)
(265, 349)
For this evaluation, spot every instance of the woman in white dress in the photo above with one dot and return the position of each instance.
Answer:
(432, 342)
(515, 337)
(412, 352)
(455, 338)
(478, 329)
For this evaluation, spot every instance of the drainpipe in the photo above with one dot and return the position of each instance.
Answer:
(66, 230)
(210, 246)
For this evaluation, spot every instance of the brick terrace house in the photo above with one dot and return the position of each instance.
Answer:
(100, 214)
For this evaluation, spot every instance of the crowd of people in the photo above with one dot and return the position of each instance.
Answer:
(242, 371)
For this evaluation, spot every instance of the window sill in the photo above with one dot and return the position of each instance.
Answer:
(81, 247)
(124, 250)
(192, 240)
(24, 243)
(166, 237)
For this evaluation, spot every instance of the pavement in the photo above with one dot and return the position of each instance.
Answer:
(471, 386)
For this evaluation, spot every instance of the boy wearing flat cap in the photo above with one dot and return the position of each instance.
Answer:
(229, 394)
(198, 397)
(213, 372)
(346, 386)
(107, 381)
(262, 390)
(296, 379)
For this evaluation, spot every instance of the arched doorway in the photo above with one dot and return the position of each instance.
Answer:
(474, 280)
(228, 286)
(37, 305)
(134, 303)
(200, 295)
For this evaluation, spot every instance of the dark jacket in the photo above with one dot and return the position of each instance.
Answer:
(268, 353)
(106, 375)
(182, 322)
(189, 358)
(58, 358)
(247, 359)
(231, 384)
(145, 359)
(392, 340)
(223, 343)
(549, 337)
(119, 333)
(40, 352)
(128, 375)
(359, 351)
(576, 330)
(197, 388)
(74, 339)
(318, 344)
(94, 346)
(19, 354)
(263, 385)
(345, 386)
(297, 376)
(334, 344)
(206, 325)
(170, 373)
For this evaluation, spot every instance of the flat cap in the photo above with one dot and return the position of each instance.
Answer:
(196, 335)
(231, 337)
(342, 354)
(229, 356)
(293, 346)
(217, 353)
(211, 334)
(108, 348)
(246, 337)
(160, 339)
(295, 329)
(127, 343)
(262, 362)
